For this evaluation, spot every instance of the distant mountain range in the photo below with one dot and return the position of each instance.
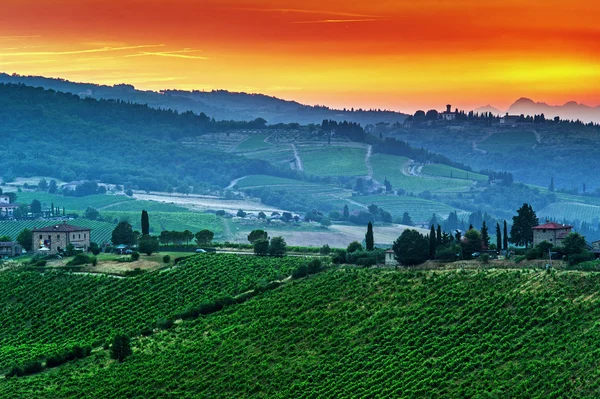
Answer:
(218, 104)
(570, 111)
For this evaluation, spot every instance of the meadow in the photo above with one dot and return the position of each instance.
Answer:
(173, 221)
(333, 161)
(508, 142)
(450, 172)
(71, 204)
(352, 333)
(391, 167)
(420, 210)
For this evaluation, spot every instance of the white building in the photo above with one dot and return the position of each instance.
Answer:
(7, 210)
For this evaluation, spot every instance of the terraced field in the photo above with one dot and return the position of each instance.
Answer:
(71, 204)
(571, 211)
(281, 155)
(333, 161)
(352, 333)
(101, 231)
(450, 172)
(394, 168)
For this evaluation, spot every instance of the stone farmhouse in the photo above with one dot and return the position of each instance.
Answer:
(552, 232)
(10, 249)
(54, 239)
(7, 209)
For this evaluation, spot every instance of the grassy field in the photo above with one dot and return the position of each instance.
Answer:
(419, 209)
(507, 142)
(101, 231)
(333, 161)
(391, 166)
(440, 170)
(570, 211)
(253, 142)
(281, 155)
(340, 334)
(316, 191)
(139, 205)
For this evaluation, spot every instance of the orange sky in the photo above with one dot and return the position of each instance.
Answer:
(400, 55)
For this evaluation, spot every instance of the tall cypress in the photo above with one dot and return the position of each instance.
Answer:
(432, 243)
(369, 240)
(485, 236)
(439, 236)
(145, 224)
(505, 238)
(498, 237)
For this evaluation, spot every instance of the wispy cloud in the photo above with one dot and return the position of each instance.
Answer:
(71, 52)
(313, 12)
(177, 54)
(339, 21)
(19, 37)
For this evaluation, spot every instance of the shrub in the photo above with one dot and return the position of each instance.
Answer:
(576, 259)
(314, 266)
(80, 259)
(120, 348)
(166, 259)
(301, 271)
(338, 256)
(325, 250)
(164, 324)
(519, 259)
(135, 256)
(485, 259)
(447, 254)
(534, 253)
(94, 261)
(40, 263)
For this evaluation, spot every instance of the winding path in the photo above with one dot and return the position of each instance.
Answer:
(234, 182)
(299, 166)
(368, 162)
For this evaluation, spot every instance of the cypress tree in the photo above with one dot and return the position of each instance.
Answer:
(439, 236)
(145, 223)
(369, 240)
(485, 236)
(551, 188)
(498, 237)
(346, 212)
(432, 243)
(505, 238)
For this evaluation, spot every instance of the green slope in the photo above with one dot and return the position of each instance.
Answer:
(365, 333)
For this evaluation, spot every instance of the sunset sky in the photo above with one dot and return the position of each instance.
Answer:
(400, 55)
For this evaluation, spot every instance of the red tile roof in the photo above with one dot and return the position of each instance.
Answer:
(552, 226)
(61, 228)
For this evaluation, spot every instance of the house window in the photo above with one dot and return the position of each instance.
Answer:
(80, 236)
(40, 236)
(58, 237)
(73, 236)
(84, 236)
(49, 237)
(543, 231)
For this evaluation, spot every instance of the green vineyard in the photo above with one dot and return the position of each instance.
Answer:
(101, 231)
(46, 313)
(353, 334)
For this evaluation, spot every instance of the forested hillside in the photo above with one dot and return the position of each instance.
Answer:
(59, 135)
(351, 333)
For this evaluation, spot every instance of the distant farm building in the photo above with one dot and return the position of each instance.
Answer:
(390, 258)
(448, 115)
(10, 249)
(54, 239)
(510, 120)
(7, 210)
(551, 232)
(596, 248)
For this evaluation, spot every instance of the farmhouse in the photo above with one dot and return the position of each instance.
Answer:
(54, 239)
(7, 210)
(390, 258)
(10, 249)
(552, 232)
(596, 248)
(510, 120)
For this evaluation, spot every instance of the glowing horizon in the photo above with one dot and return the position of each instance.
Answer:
(375, 54)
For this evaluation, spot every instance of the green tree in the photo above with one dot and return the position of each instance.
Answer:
(52, 187)
(551, 188)
(485, 236)
(325, 250)
(505, 237)
(145, 223)
(121, 347)
(91, 214)
(406, 219)
(346, 214)
(573, 244)
(498, 237)
(261, 247)
(241, 213)
(123, 234)
(438, 237)
(473, 243)
(354, 246)
(94, 248)
(277, 247)
(148, 244)
(25, 239)
(369, 239)
(521, 232)
(432, 243)
(35, 207)
(411, 248)
(256, 235)
(5, 238)
(204, 237)
(43, 185)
